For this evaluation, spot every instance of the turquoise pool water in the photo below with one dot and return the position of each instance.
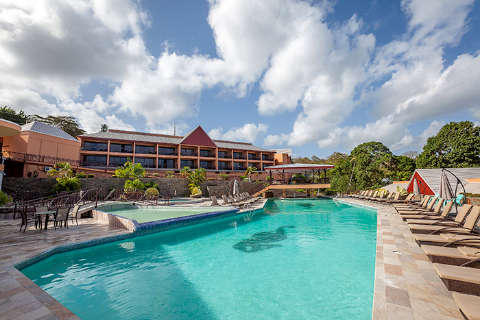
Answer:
(299, 259)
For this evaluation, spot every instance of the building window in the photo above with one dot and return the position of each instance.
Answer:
(207, 165)
(167, 163)
(224, 165)
(117, 147)
(206, 153)
(266, 157)
(187, 163)
(224, 154)
(94, 161)
(94, 146)
(166, 151)
(145, 162)
(253, 156)
(237, 155)
(145, 149)
(117, 161)
(238, 166)
(188, 152)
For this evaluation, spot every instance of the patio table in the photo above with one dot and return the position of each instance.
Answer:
(45, 214)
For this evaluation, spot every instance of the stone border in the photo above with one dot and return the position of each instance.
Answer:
(406, 284)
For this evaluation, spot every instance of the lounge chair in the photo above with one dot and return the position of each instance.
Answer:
(434, 212)
(429, 219)
(460, 256)
(390, 196)
(425, 207)
(214, 201)
(413, 206)
(460, 279)
(464, 223)
(407, 202)
(468, 304)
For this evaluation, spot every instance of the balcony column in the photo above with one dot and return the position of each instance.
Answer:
(231, 163)
(108, 153)
(216, 158)
(134, 147)
(198, 157)
(178, 156)
(156, 158)
(261, 161)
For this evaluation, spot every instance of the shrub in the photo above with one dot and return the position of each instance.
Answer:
(66, 179)
(151, 184)
(81, 175)
(133, 185)
(151, 193)
(195, 178)
(90, 175)
(4, 198)
(224, 176)
(195, 191)
(170, 174)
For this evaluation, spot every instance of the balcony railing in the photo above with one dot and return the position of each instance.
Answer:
(27, 157)
(188, 153)
(251, 157)
(238, 156)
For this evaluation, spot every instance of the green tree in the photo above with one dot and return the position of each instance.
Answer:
(195, 179)
(404, 168)
(66, 178)
(104, 128)
(456, 145)
(10, 114)
(130, 170)
(66, 123)
(249, 172)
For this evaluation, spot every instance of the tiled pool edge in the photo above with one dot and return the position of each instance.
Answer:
(406, 285)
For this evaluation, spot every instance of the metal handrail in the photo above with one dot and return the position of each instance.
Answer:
(456, 187)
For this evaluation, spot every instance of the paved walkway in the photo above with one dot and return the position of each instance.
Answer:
(406, 284)
(20, 298)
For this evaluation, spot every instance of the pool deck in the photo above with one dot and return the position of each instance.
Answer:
(406, 285)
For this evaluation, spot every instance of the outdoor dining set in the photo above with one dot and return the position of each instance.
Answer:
(41, 215)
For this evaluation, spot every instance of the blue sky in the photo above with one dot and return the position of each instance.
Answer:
(311, 76)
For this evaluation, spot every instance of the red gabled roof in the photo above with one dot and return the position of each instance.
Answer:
(198, 137)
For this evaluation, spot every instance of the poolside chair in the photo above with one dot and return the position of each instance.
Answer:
(468, 304)
(413, 205)
(435, 211)
(465, 256)
(73, 215)
(464, 223)
(453, 236)
(214, 201)
(405, 202)
(429, 219)
(425, 207)
(460, 279)
(28, 216)
(61, 217)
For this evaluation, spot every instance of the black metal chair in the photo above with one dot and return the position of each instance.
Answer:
(61, 217)
(73, 215)
(28, 216)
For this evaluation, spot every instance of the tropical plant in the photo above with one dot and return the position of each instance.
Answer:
(81, 175)
(456, 145)
(249, 172)
(151, 193)
(133, 185)
(151, 184)
(65, 177)
(4, 198)
(195, 179)
(130, 170)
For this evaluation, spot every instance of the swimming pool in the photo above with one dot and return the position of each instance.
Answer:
(301, 259)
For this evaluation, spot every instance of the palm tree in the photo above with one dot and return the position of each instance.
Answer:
(104, 127)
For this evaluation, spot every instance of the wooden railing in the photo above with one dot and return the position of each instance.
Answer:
(28, 157)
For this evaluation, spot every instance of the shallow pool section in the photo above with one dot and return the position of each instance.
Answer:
(296, 259)
(142, 215)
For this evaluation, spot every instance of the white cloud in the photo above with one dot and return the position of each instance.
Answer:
(50, 49)
(248, 132)
(276, 139)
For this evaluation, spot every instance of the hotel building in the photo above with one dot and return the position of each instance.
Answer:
(113, 148)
